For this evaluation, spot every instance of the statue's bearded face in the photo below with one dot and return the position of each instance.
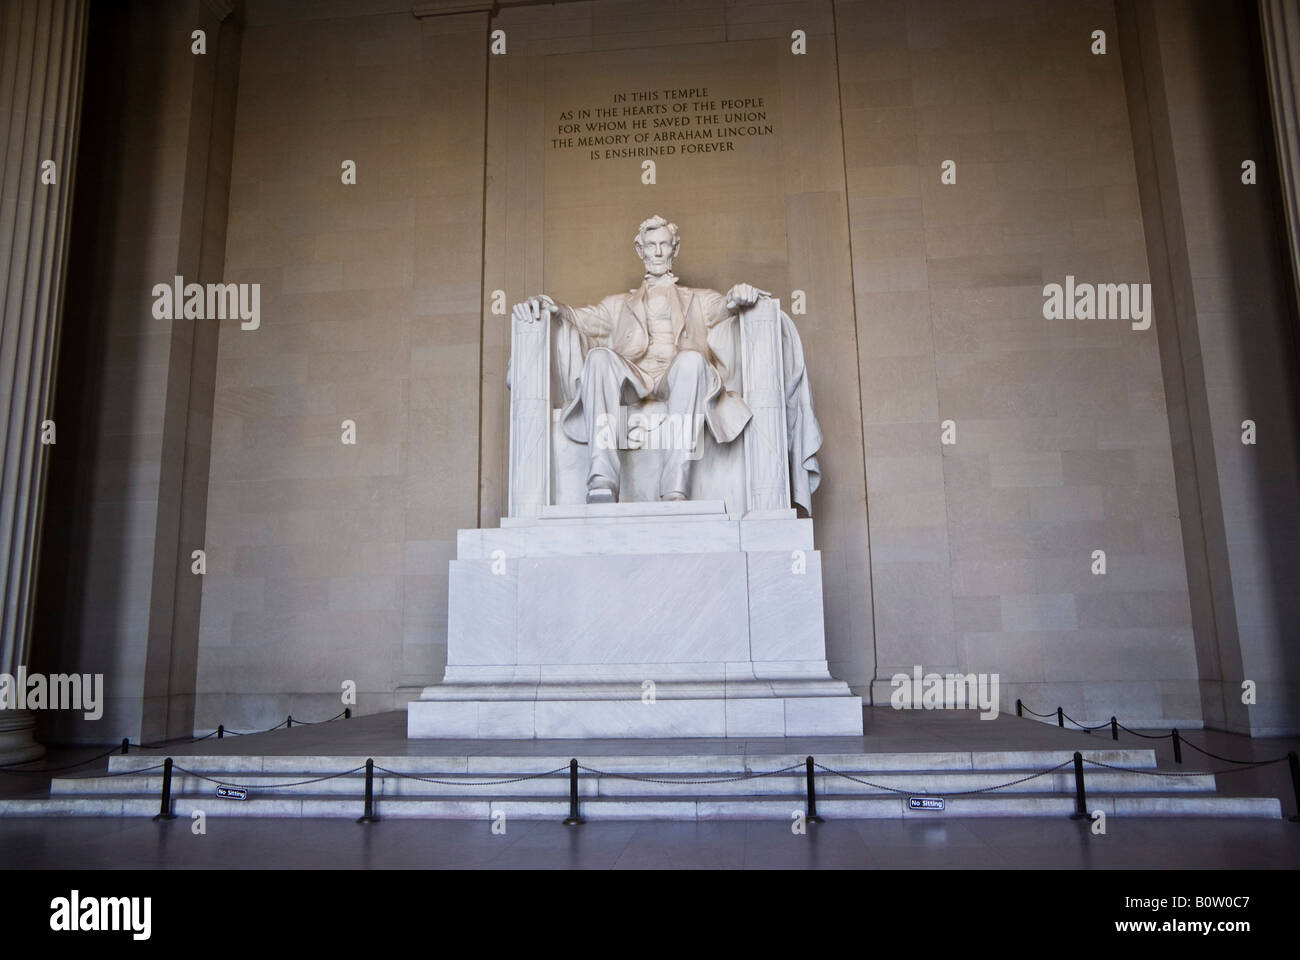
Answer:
(656, 250)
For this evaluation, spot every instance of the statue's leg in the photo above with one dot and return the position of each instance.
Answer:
(688, 381)
(601, 385)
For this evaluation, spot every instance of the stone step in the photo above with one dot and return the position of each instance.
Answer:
(834, 806)
(700, 765)
(471, 787)
(134, 787)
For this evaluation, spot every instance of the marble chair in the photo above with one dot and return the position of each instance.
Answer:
(750, 475)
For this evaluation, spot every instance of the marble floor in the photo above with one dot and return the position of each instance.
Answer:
(1182, 843)
(1001, 843)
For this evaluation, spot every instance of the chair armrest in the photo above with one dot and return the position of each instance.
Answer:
(530, 417)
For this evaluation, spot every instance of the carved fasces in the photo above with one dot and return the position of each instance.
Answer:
(762, 370)
(530, 407)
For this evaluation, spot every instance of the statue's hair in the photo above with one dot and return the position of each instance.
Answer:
(654, 223)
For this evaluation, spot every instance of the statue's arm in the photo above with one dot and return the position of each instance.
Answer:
(594, 322)
(713, 306)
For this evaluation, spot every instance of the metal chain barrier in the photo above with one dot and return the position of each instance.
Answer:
(249, 733)
(42, 772)
(1144, 736)
(312, 723)
(270, 786)
(167, 743)
(1081, 726)
(124, 773)
(96, 776)
(470, 783)
(747, 775)
(574, 818)
(957, 793)
(1207, 753)
(573, 767)
(1185, 773)
(1177, 736)
(1036, 713)
(221, 731)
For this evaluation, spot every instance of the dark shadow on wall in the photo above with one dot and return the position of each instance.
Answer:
(1196, 481)
(82, 589)
(1262, 489)
(1226, 326)
(171, 670)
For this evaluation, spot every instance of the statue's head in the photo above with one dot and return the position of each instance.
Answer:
(656, 244)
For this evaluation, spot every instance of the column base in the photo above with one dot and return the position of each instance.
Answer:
(18, 737)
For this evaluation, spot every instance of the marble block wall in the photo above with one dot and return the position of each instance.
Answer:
(982, 549)
(327, 562)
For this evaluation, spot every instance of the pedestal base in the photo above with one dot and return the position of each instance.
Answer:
(662, 719)
(637, 620)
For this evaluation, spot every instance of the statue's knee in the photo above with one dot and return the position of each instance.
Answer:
(690, 363)
(601, 359)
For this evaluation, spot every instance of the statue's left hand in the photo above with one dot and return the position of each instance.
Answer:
(533, 309)
(744, 295)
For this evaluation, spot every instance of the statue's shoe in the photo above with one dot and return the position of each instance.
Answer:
(675, 495)
(599, 493)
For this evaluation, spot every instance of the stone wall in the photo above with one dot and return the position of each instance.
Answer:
(982, 549)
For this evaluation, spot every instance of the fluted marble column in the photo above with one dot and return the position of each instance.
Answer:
(42, 53)
(1280, 25)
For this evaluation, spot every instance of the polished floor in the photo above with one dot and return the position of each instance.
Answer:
(953, 844)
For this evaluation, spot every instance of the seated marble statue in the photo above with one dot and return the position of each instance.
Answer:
(677, 344)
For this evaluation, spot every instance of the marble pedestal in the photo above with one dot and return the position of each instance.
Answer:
(637, 620)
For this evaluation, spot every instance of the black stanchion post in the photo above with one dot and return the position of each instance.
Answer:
(811, 816)
(125, 744)
(1178, 746)
(1060, 717)
(1020, 708)
(1114, 729)
(221, 731)
(347, 713)
(290, 722)
(369, 815)
(574, 818)
(165, 811)
(1294, 763)
(1080, 797)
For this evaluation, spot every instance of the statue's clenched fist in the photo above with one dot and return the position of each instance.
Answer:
(531, 310)
(744, 295)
